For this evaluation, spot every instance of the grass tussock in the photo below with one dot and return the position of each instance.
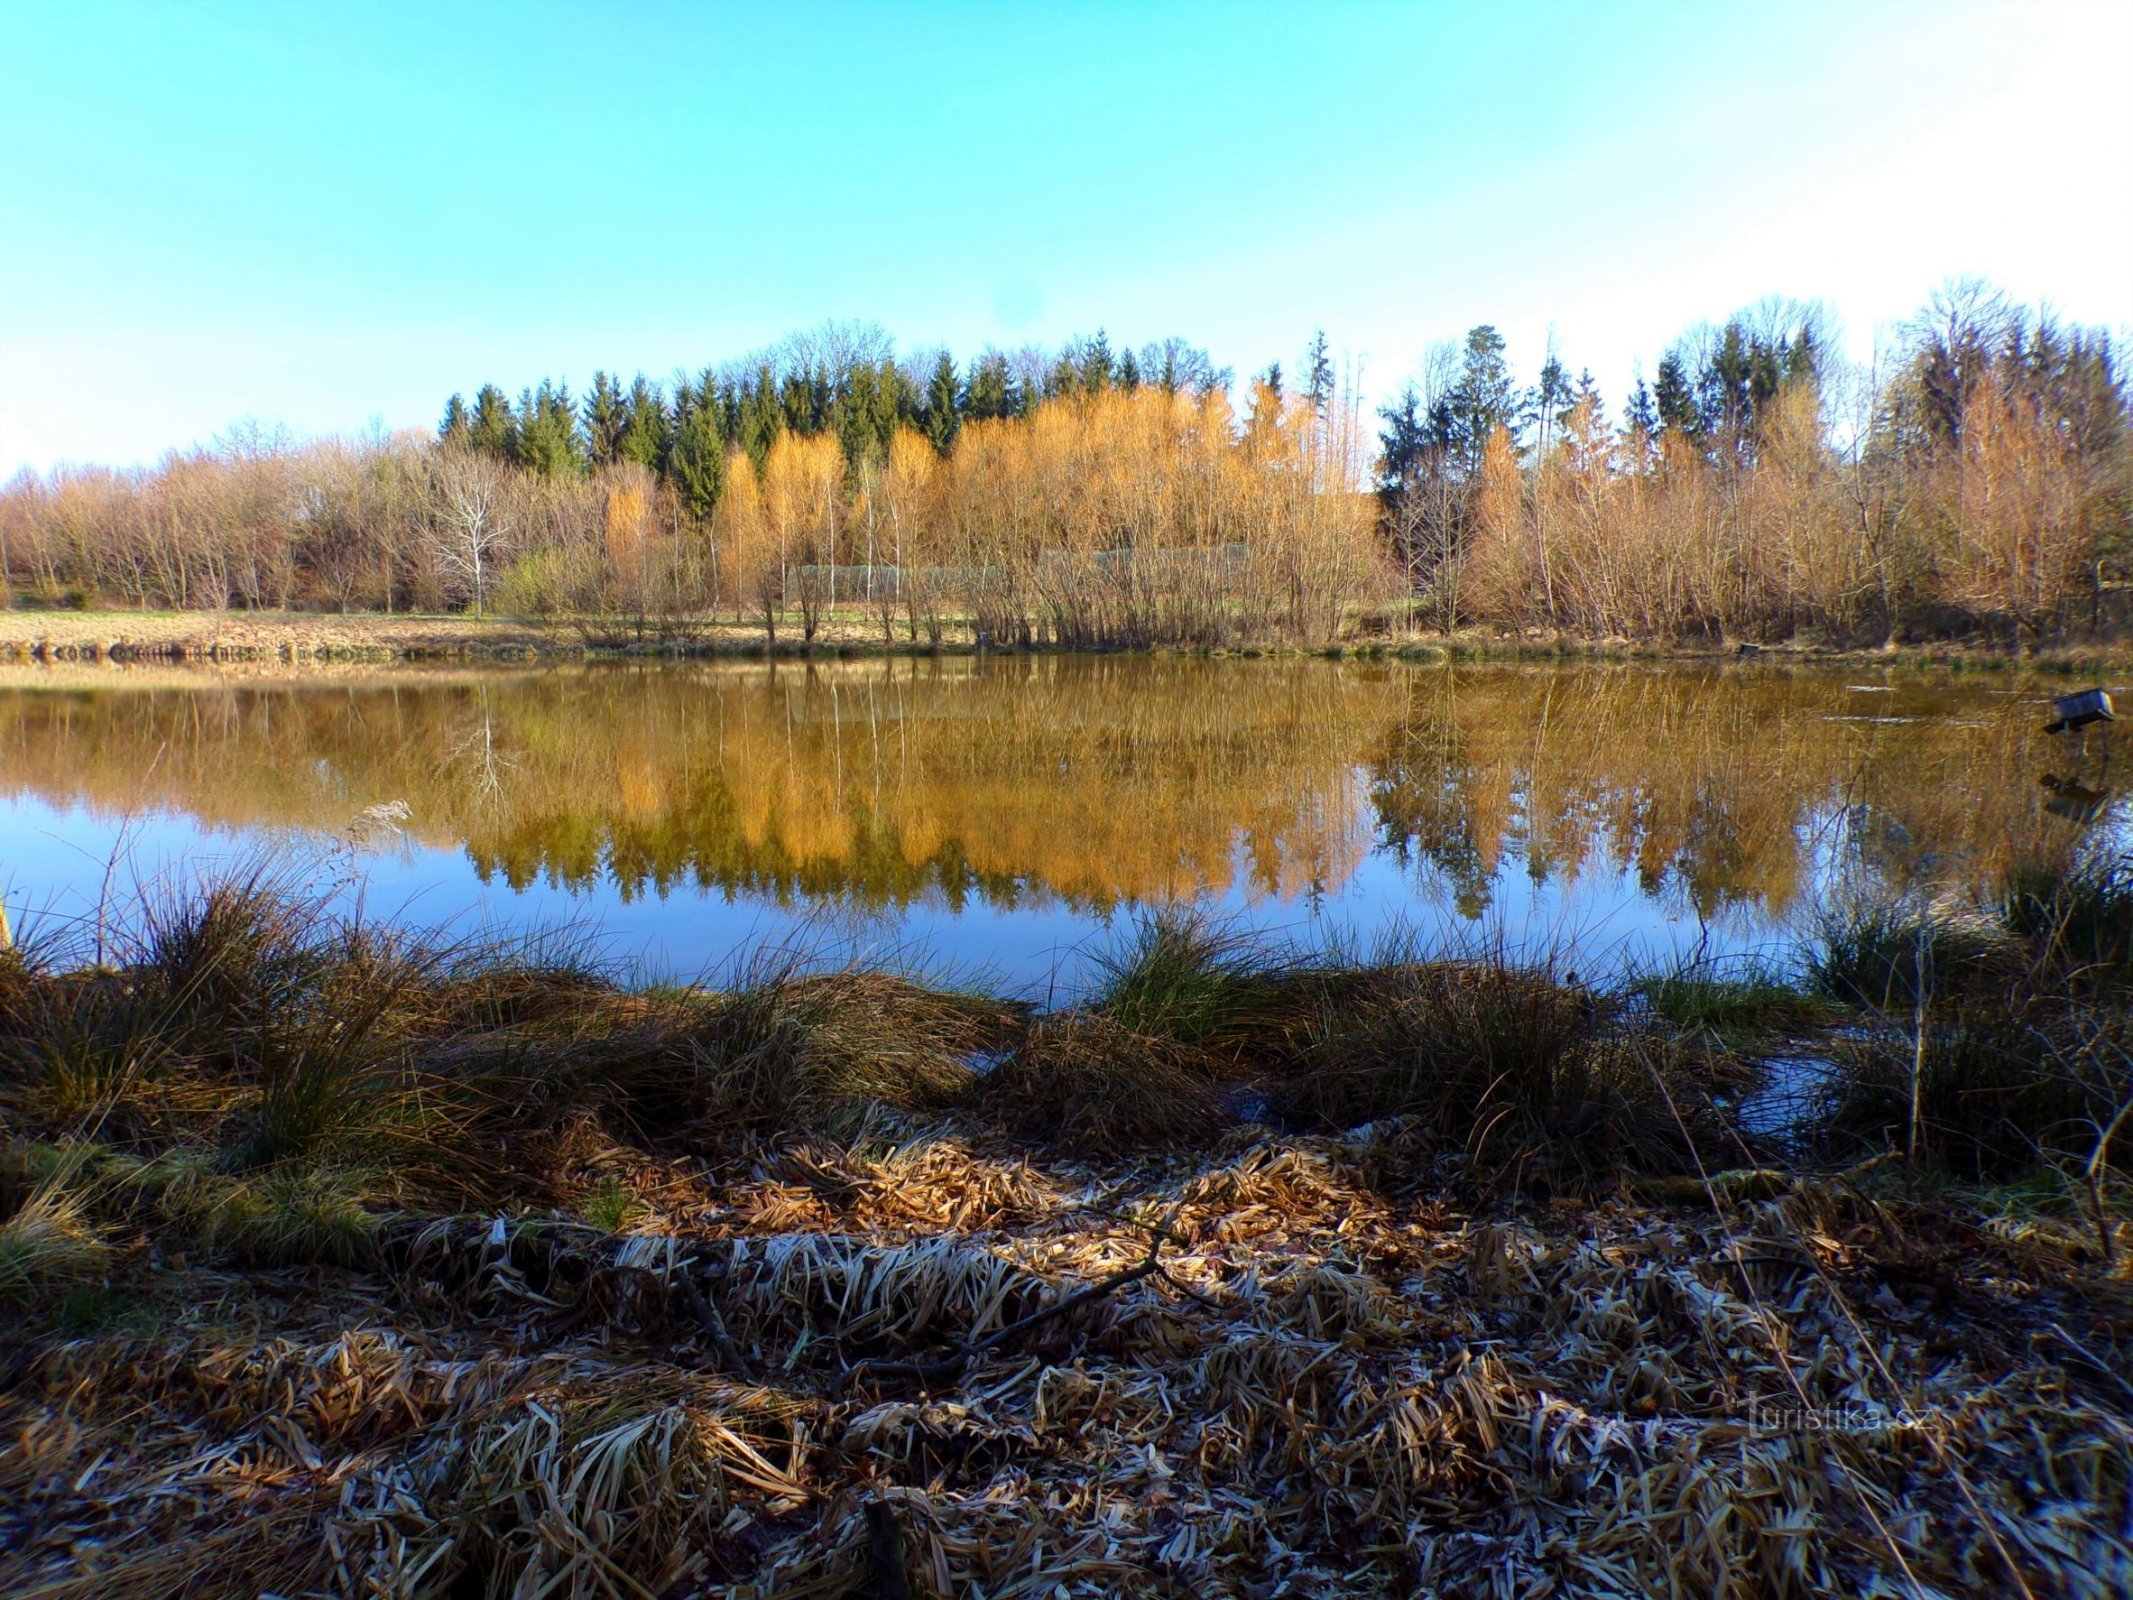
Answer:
(2077, 917)
(1184, 976)
(1888, 956)
(1999, 1089)
(48, 1245)
(1989, 1040)
(1088, 1081)
(778, 1047)
(1505, 1065)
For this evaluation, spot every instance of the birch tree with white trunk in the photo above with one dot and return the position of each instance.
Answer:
(469, 525)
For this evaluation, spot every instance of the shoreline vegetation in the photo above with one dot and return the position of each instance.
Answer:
(301, 641)
(1972, 488)
(374, 1262)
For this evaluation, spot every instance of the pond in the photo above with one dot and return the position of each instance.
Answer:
(1000, 817)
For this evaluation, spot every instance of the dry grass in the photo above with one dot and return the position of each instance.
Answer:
(770, 1291)
(1085, 1081)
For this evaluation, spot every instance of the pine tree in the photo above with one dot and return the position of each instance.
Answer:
(457, 427)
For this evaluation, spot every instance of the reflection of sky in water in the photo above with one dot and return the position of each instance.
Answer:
(55, 864)
(678, 819)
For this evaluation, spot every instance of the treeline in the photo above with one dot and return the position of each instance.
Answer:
(1974, 479)
(1980, 481)
(1083, 497)
(844, 379)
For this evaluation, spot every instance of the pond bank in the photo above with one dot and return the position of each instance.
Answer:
(839, 1284)
(307, 639)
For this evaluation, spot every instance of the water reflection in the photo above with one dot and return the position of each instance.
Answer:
(916, 793)
(2074, 800)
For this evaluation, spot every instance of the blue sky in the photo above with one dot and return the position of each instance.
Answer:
(333, 215)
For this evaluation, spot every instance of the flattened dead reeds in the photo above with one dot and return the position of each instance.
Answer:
(773, 1290)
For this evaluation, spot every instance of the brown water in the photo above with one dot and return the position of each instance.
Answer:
(999, 813)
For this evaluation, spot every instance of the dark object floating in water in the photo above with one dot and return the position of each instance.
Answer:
(2079, 710)
(2073, 799)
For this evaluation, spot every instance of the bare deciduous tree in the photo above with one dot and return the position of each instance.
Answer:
(469, 524)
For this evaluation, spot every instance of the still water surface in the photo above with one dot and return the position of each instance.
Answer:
(998, 816)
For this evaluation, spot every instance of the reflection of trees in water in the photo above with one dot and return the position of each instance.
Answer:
(476, 760)
(1096, 781)
(880, 784)
(1719, 790)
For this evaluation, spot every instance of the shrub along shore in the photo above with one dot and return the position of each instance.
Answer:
(342, 1260)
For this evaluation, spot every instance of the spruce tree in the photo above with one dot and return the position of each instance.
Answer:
(939, 416)
(1483, 400)
(1402, 443)
(761, 417)
(1724, 399)
(457, 427)
(643, 438)
(546, 439)
(492, 427)
(1318, 373)
(991, 391)
(1096, 363)
(1673, 401)
(1641, 415)
(1588, 393)
(606, 414)
(1551, 399)
(697, 461)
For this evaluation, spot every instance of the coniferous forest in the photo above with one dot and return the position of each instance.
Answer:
(1973, 481)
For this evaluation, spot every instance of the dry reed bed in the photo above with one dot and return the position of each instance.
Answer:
(770, 1293)
(1357, 1395)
